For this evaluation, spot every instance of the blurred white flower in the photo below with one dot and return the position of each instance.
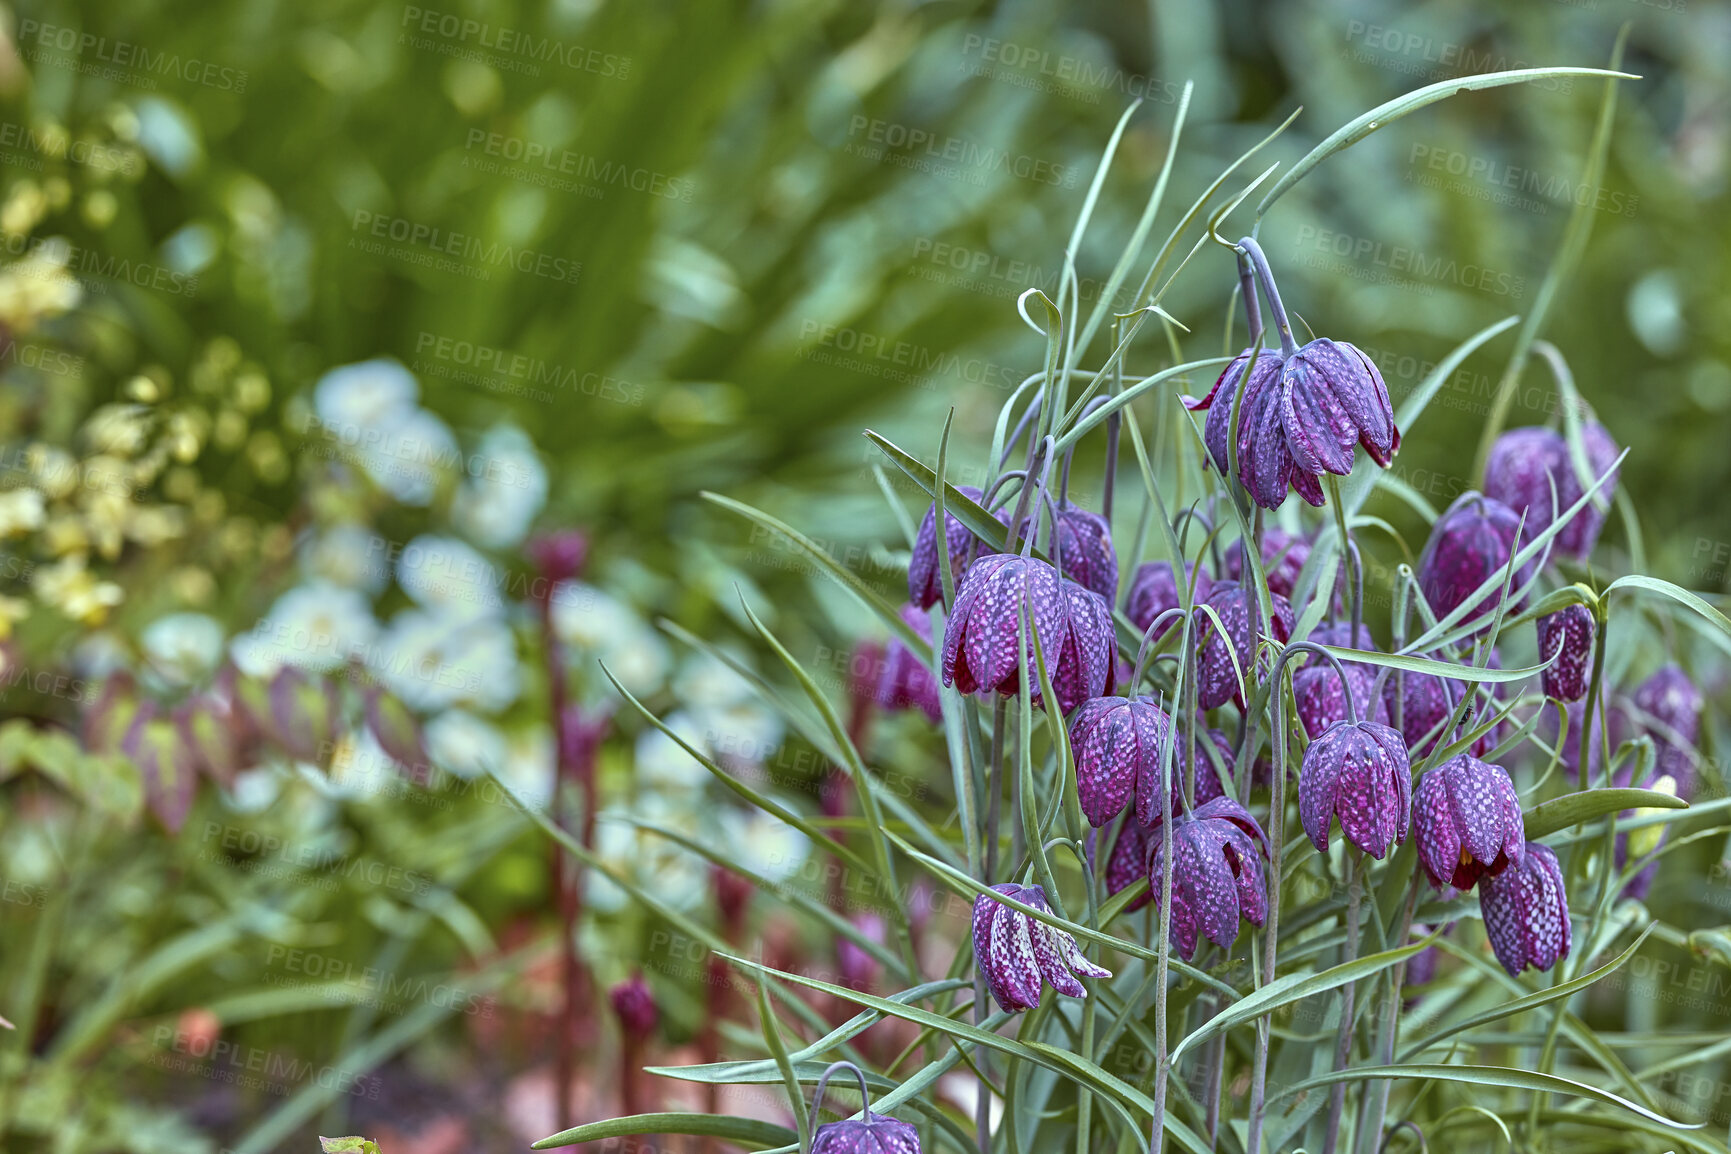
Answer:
(316, 626)
(745, 733)
(595, 626)
(433, 662)
(662, 763)
(412, 456)
(764, 843)
(449, 577)
(674, 875)
(505, 486)
(529, 768)
(374, 394)
(183, 647)
(458, 742)
(349, 555)
(254, 790)
(21, 510)
(707, 681)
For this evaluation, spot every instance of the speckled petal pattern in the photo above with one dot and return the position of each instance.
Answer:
(1526, 912)
(1471, 542)
(1468, 821)
(1015, 953)
(1568, 636)
(925, 581)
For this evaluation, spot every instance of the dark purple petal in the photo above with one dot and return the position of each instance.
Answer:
(1469, 544)
(1526, 912)
(1217, 678)
(1283, 557)
(1468, 822)
(1360, 774)
(1566, 635)
(925, 581)
(1154, 589)
(1083, 551)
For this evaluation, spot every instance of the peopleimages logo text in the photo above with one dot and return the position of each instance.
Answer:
(126, 54)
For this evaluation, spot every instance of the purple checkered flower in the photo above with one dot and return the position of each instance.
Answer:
(1154, 590)
(925, 579)
(1217, 875)
(1566, 635)
(1299, 417)
(1668, 706)
(1468, 821)
(1524, 467)
(871, 1133)
(1469, 544)
(1358, 772)
(1217, 680)
(1526, 911)
(1117, 745)
(1015, 951)
(904, 681)
(1417, 704)
(1083, 550)
(1127, 862)
(1321, 699)
(981, 639)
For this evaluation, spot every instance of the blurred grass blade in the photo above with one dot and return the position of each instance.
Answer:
(747, 1132)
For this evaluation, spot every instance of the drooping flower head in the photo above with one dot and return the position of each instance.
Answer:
(1117, 744)
(870, 1133)
(635, 1006)
(1468, 822)
(1418, 704)
(1321, 698)
(1217, 678)
(1530, 470)
(981, 639)
(1526, 911)
(1357, 772)
(925, 578)
(1283, 558)
(1566, 635)
(904, 681)
(1154, 590)
(1668, 706)
(1217, 873)
(1015, 951)
(1299, 417)
(1083, 551)
(1471, 543)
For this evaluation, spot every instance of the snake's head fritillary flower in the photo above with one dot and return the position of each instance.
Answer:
(1299, 417)
(1283, 558)
(1321, 699)
(1217, 874)
(1468, 822)
(1526, 911)
(1566, 635)
(1217, 677)
(982, 637)
(635, 1006)
(1015, 951)
(904, 681)
(1668, 707)
(1154, 590)
(1127, 862)
(1117, 744)
(1360, 774)
(1418, 704)
(1530, 469)
(1471, 543)
(925, 579)
(1083, 550)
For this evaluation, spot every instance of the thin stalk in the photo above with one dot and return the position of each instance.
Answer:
(1343, 1041)
(989, 835)
(1370, 1131)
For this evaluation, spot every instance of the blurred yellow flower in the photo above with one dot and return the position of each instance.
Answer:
(12, 611)
(37, 288)
(21, 511)
(75, 591)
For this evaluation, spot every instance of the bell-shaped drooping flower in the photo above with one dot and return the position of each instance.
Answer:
(1216, 676)
(1358, 772)
(1154, 590)
(925, 579)
(1321, 699)
(982, 637)
(1299, 417)
(1083, 550)
(1567, 636)
(904, 681)
(1015, 951)
(1217, 874)
(1128, 861)
(1668, 706)
(1117, 742)
(1468, 822)
(1530, 470)
(1526, 911)
(1418, 704)
(870, 1133)
(1283, 558)
(1469, 544)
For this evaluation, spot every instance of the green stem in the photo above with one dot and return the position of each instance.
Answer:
(1343, 1040)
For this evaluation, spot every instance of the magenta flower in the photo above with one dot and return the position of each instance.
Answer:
(859, 967)
(1217, 679)
(981, 639)
(904, 681)
(871, 1133)
(1470, 543)
(1668, 706)
(1566, 635)
(1529, 469)
(1127, 862)
(1358, 772)
(925, 580)
(1321, 699)
(635, 1006)
(1083, 550)
(1468, 821)
(1117, 743)
(1299, 417)
(1526, 911)
(1217, 876)
(1154, 590)
(1015, 951)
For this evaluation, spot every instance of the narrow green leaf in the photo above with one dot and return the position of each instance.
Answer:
(748, 1132)
(1572, 809)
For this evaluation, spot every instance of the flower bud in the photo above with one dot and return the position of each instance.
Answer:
(1526, 911)
(1567, 637)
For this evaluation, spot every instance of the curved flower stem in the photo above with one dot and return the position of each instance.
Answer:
(1271, 927)
(1343, 1041)
(1148, 639)
(1251, 249)
(1033, 411)
(1296, 647)
(865, 1102)
(991, 493)
(1039, 463)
